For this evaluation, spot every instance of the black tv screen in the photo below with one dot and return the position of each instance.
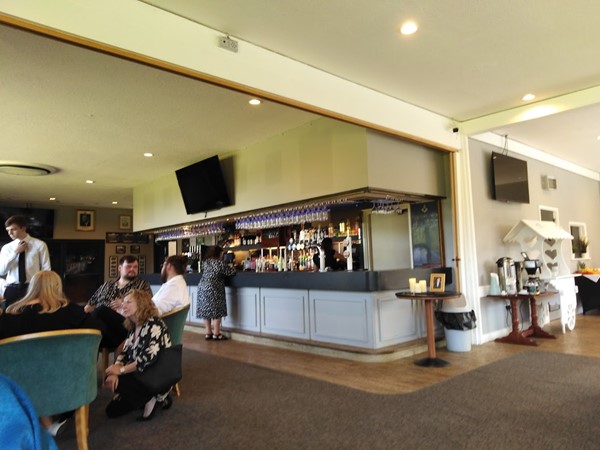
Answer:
(40, 222)
(203, 186)
(510, 179)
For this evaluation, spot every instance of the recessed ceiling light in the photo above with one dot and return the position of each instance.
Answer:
(148, 155)
(115, 203)
(528, 97)
(408, 27)
(52, 199)
(89, 181)
(255, 102)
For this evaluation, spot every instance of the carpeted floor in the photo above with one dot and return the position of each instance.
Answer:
(535, 400)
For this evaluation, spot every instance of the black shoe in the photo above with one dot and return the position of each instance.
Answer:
(143, 418)
(167, 402)
(219, 337)
(117, 408)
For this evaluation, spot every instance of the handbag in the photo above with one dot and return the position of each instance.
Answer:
(164, 373)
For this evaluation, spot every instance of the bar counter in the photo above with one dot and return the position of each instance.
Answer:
(358, 281)
(358, 310)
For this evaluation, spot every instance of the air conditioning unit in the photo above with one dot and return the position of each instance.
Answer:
(548, 182)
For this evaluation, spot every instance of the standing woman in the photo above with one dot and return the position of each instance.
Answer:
(211, 292)
(147, 336)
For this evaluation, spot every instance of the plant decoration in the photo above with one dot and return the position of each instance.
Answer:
(580, 245)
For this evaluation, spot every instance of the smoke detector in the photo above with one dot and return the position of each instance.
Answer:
(25, 169)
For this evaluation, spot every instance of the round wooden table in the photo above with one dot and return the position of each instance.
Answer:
(429, 297)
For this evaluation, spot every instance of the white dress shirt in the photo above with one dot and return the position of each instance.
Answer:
(37, 258)
(172, 294)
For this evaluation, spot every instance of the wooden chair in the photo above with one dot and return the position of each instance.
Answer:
(57, 370)
(104, 353)
(175, 322)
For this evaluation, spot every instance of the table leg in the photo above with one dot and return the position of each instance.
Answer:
(535, 330)
(515, 336)
(432, 360)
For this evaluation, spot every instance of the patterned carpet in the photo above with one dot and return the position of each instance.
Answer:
(536, 400)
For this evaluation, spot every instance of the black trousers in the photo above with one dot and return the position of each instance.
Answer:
(115, 332)
(132, 395)
(14, 292)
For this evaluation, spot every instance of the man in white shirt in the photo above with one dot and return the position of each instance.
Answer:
(25, 251)
(174, 292)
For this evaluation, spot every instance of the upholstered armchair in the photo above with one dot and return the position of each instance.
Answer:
(57, 370)
(175, 322)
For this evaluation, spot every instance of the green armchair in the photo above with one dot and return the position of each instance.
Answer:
(57, 369)
(175, 322)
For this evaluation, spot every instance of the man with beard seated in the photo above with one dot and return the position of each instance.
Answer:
(106, 302)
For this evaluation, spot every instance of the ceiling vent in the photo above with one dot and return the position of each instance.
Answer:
(25, 169)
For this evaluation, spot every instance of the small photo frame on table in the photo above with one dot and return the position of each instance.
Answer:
(85, 220)
(125, 222)
(120, 249)
(437, 282)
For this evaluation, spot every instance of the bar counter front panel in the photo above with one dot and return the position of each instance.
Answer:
(356, 309)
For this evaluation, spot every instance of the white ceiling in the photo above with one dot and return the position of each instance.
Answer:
(92, 115)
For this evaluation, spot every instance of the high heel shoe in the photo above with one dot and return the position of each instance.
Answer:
(143, 418)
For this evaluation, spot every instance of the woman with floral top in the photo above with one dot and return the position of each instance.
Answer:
(147, 336)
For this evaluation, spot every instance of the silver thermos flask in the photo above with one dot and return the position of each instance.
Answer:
(507, 275)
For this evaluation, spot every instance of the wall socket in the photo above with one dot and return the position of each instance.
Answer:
(228, 44)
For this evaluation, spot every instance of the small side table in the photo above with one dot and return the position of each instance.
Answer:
(429, 297)
(523, 337)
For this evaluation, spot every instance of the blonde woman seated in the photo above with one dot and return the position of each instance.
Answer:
(45, 308)
(147, 336)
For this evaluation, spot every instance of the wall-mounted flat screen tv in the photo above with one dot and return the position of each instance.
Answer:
(510, 179)
(203, 186)
(40, 222)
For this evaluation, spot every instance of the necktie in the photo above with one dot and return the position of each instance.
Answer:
(22, 272)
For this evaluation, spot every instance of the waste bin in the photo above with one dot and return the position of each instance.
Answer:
(457, 328)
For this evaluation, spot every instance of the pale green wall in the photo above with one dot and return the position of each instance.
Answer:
(405, 167)
(320, 158)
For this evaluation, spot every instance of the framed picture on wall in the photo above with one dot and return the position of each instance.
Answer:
(113, 267)
(134, 249)
(124, 222)
(120, 249)
(85, 220)
(142, 264)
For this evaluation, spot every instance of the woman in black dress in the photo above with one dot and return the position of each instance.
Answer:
(212, 305)
(44, 308)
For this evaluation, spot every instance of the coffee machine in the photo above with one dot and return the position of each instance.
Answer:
(532, 267)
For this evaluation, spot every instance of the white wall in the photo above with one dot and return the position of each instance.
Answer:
(577, 200)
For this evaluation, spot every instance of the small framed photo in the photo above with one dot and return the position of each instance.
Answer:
(125, 222)
(113, 267)
(120, 249)
(437, 283)
(85, 220)
(134, 249)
